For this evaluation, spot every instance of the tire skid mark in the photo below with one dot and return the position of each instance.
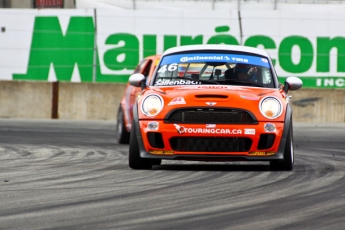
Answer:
(66, 186)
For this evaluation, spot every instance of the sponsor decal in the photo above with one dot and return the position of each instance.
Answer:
(167, 82)
(209, 58)
(210, 126)
(258, 153)
(206, 87)
(182, 130)
(249, 98)
(213, 57)
(153, 126)
(269, 127)
(177, 101)
(249, 131)
(211, 103)
(40, 4)
(213, 87)
(161, 152)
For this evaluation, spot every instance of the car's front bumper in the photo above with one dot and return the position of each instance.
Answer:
(254, 133)
(168, 131)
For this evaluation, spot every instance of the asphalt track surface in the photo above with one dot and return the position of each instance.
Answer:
(71, 175)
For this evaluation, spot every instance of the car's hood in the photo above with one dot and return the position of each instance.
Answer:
(207, 96)
(214, 92)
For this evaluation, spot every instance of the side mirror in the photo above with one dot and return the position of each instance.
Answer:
(292, 83)
(137, 80)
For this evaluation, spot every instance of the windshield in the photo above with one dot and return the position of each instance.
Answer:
(214, 68)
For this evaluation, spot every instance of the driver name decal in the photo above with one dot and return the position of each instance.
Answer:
(167, 82)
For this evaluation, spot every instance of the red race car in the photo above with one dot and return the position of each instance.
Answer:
(213, 103)
(124, 115)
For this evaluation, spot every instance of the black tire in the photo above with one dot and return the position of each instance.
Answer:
(121, 134)
(134, 159)
(287, 163)
(156, 161)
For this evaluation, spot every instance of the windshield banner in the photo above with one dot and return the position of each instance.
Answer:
(213, 57)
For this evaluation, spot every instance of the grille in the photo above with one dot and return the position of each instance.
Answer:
(210, 116)
(210, 144)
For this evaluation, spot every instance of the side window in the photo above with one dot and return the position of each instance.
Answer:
(147, 68)
(140, 67)
(266, 76)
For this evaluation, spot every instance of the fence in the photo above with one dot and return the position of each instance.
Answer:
(211, 4)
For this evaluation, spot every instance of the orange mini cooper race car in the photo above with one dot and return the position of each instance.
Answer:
(213, 103)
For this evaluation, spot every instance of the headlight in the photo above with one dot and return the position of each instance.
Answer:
(152, 105)
(270, 107)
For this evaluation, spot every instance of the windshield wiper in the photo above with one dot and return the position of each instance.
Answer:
(245, 83)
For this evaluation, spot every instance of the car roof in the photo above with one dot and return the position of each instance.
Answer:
(219, 47)
(155, 56)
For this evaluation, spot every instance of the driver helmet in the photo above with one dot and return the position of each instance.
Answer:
(248, 69)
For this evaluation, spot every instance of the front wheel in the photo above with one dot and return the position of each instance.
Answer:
(121, 134)
(134, 159)
(287, 163)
